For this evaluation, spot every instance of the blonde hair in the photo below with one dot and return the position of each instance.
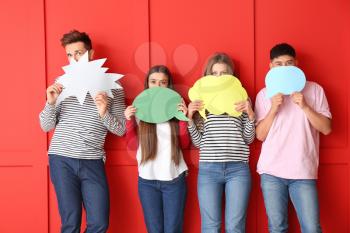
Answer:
(221, 58)
(216, 58)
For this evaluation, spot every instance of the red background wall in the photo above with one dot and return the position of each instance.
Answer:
(135, 34)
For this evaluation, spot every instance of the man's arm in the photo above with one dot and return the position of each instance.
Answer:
(320, 122)
(263, 126)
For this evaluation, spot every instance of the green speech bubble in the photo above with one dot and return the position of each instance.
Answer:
(158, 105)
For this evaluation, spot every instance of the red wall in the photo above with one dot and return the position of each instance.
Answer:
(135, 34)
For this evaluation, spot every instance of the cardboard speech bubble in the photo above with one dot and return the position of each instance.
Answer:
(285, 80)
(158, 105)
(219, 94)
(85, 76)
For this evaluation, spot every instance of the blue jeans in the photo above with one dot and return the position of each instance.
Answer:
(215, 178)
(80, 182)
(303, 194)
(163, 204)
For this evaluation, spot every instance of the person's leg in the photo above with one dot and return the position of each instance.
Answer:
(63, 173)
(275, 192)
(237, 190)
(95, 195)
(303, 194)
(210, 190)
(174, 200)
(152, 204)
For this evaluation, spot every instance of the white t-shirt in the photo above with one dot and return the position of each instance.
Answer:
(162, 167)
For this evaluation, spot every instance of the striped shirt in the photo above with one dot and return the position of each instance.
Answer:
(223, 138)
(80, 132)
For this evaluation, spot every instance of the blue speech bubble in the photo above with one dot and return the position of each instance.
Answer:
(285, 80)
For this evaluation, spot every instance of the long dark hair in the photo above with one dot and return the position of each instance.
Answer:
(148, 131)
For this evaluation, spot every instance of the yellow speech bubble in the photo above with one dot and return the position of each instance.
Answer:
(219, 94)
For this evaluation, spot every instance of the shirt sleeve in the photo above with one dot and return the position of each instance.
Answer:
(196, 135)
(184, 137)
(114, 119)
(262, 106)
(49, 117)
(131, 137)
(248, 129)
(321, 105)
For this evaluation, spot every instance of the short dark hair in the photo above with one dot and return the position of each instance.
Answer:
(282, 49)
(76, 36)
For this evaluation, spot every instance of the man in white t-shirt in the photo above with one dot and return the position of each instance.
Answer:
(289, 127)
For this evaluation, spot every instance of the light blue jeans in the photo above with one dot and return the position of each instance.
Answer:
(215, 178)
(303, 194)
